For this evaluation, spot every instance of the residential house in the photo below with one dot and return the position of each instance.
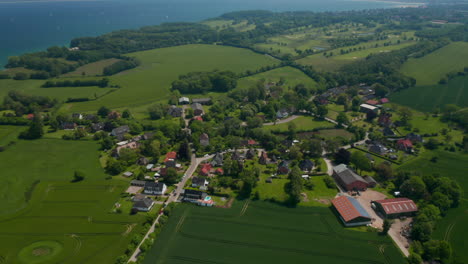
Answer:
(120, 132)
(155, 188)
(385, 120)
(128, 174)
(197, 109)
(205, 169)
(368, 108)
(378, 149)
(217, 160)
(219, 171)
(142, 203)
(184, 100)
(405, 145)
(198, 118)
(127, 145)
(193, 195)
(388, 132)
(138, 183)
(372, 102)
(204, 140)
(203, 101)
(142, 161)
(282, 113)
(147, 136)
(348, 179)
(77, 116)
(199, 182)
(414, 138)
(351, 211)
(69, 125)
(175, 111)
(306, 165)
(91, 117)
(384, 101)
(170, 160)
(97, 127)
(238, 156)
(251, 153)
(396, 207)
(248, 143)
(283, 167)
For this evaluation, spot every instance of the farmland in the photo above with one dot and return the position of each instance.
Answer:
(160, 67)
(38, 197)
(291, 76)
(429, 98)
(9, 133)
(254, 231)
(429, 69)
(91, 69)
(303, 123)
(452, 226)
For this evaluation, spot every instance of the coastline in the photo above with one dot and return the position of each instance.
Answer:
(398, 4)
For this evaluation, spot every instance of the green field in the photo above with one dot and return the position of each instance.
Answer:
(47, 219)
(291, 76)
(320, 62)
(151, 81)
(428, 98)
(303, 123)
(431, 68)
(452, 227)
(33, 87)
(261, 232)
(9, 133)
(91, 69)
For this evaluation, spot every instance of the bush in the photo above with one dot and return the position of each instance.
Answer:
(329, 182)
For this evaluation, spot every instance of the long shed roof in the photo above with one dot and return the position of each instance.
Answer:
(398, 205)
(349, 208)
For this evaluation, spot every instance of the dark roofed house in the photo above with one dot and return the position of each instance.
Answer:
(193, 195)
(203, 101)
(348, 179)
(263, 158)
(385, 119)
(91, 117)
(217, 160)
(378, 149)
(97, 127)
(113, 115)
(143, 161)
(204, 140)
(147, 136)
(120, 131)
(143, 204)
(396, 207)
(175, 111)
(155, 188)
(371, 182)
(388, 132)
(237, 156)
(306, 165)
(197, 109)
(69, 125)
(200, 182)
(138, 183)
(351, 212)
(251, 153)
(283, 167)
(414, 137)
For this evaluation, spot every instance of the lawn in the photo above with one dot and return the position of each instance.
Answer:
(152, 80)
(303, 123)
(92, 69)
(262, 232)
(291, 76)
(320, 194)
(429, 69)
(47, 219)
(430, 97)
(452, 227)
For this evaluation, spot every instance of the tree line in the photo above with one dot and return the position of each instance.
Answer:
(202, 82)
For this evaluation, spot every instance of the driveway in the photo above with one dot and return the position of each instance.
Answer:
(365, 200)
(396, 231)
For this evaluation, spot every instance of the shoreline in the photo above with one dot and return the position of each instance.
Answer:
(398, 4)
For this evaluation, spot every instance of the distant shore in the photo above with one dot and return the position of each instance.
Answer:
(400, 4)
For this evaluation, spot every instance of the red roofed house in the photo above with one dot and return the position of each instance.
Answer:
(199, 118)
(170, 160)
(372, 102)
(205, 169)
(219, 171)
(384, 101)
(351, 211)
(405, 145)
(30, 116)
(396, 207)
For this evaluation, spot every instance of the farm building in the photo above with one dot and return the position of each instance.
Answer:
(396, 207)
(155, 188)
(368, 108)
(175, 111)
(184, 100)
(203, 101)
(138, 183)
(348, 179)
(197, 109)
(351, 212)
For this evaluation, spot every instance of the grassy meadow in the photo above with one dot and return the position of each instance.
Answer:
(429, 69)
(291, 76)
(303, 123)
(430, 97)
(9, 133)
(152, 80)
(261, 232)
(451, 227)
(92, 69)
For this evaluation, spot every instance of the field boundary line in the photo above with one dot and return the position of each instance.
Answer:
(244, 208)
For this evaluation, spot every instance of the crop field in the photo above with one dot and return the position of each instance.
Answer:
(320, 62)
(452, 227)
(429, 69)
(91, 69)
(46, 160)
(33, 87)
(303, 123)
(291, 76)
(261, 232)
(68, 223)
(151, 81)
(9, 133)
(428, 98)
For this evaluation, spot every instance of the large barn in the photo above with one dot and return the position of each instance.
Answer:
(349, 180)
(351, 212)
(396, 207)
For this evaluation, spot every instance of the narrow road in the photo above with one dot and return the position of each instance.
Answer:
(173, 197)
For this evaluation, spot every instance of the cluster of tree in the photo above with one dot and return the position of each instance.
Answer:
(294, 186)
(35, 130)
(120, 66)
(454, 33)
(201, 82)
(104, 82)
(13, 120)
(22, 103)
